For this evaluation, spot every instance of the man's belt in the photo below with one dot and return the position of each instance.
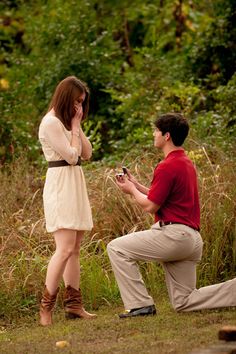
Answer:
(164, 223)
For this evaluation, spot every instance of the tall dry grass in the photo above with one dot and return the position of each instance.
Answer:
(25, 247)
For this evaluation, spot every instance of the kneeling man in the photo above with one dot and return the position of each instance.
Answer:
(174, 240)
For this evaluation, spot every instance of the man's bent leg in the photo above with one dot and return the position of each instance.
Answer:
(211, 297)
(123, 254)
(160, 244)
(181, 283)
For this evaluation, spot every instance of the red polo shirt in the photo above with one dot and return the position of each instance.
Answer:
(174, 188)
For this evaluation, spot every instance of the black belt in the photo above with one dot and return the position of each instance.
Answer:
(61, 163)
(164, 223)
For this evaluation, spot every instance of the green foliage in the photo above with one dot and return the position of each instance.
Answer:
(65, 39)
(213, 55)
(152, 57)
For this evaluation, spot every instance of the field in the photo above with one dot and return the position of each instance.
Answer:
(26, 248)
(166, 333)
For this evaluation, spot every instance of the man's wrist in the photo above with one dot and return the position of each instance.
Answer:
(133, 189)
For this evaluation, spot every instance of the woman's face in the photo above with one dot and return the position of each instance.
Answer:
(79, 101)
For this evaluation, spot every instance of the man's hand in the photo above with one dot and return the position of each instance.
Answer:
(138, 185)
(124, 184)
(128, 187)
(131, 178)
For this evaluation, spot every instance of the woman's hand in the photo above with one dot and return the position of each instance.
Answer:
(76, 120)
(82, 144)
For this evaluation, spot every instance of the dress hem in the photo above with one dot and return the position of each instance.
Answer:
(50, 230)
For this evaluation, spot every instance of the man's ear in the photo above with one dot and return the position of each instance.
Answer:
(167, 135)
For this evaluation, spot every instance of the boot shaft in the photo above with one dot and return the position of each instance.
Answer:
(72, 298)
(74, 306)
(46, 306)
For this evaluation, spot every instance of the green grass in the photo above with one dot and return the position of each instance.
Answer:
(168, 332)
(25, 248)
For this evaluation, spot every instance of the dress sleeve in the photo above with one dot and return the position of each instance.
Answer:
(56, 138)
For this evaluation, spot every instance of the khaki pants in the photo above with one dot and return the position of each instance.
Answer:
(178, 248)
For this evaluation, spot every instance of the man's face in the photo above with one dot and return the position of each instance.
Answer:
(159, 139)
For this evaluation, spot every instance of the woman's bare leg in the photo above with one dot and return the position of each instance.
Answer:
(65, 244)
(73, 302)
(71, 273)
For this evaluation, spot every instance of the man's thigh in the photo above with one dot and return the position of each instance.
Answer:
(160, 245)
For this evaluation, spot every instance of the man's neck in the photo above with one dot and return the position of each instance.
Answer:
(169, 148)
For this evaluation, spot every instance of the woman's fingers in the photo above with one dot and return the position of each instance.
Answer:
(79, 111)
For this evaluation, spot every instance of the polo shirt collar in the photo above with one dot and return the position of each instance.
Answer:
(178, 152)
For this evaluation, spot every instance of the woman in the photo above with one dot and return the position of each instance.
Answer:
(66, 205)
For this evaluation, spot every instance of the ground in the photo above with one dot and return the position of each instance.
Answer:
(167, 332)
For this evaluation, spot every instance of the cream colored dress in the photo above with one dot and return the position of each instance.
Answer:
(65, 198)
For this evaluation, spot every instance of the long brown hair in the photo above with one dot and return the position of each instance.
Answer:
(64, 97)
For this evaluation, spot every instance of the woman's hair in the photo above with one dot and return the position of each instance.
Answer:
(64, 97)
(175, 124)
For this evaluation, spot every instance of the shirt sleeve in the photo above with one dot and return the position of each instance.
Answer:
(161, 185)
(56, 138)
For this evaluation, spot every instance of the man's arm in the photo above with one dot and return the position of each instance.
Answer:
(141, 188)
(138, 185)
(144, 202)
(129, 188)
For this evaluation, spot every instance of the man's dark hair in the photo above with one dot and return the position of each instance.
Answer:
(175, 124)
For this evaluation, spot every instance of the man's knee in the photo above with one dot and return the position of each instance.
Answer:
(110, 247)
(114, 249)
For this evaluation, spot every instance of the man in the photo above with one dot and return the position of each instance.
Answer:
(174, 240)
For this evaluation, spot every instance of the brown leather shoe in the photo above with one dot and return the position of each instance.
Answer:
(73, 305)
(46, 307)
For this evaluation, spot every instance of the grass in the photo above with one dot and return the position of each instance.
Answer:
(168, 332)
(25, 247)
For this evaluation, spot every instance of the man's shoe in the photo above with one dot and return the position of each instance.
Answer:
(142, 311)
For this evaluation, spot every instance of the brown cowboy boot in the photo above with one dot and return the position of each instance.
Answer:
(46, 306)
(73, 305)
